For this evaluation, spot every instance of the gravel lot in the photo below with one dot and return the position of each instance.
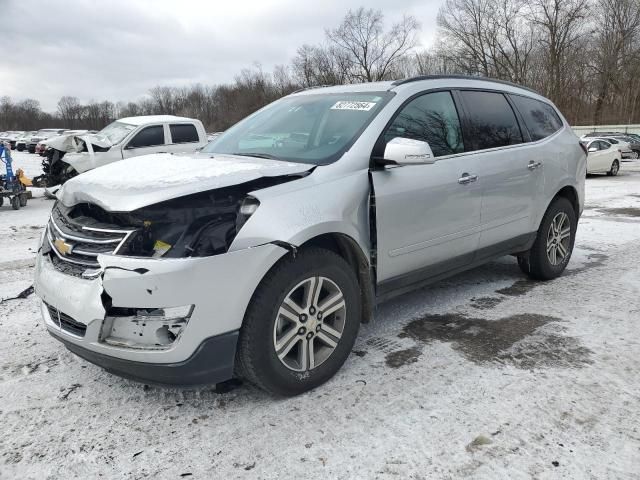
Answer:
(484, 375)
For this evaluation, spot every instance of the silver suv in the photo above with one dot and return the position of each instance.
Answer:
(261, 255)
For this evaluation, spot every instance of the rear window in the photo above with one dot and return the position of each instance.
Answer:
(492, 122)
(540, 118)
(185, 133)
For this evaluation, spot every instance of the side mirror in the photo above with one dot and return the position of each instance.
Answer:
(406, 151)
(593, 149)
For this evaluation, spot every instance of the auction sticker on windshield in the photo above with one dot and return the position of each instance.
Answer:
(351, 105)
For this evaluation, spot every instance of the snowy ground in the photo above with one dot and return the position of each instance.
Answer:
(485, 375)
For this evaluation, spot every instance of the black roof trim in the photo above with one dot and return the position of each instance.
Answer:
(460, 77)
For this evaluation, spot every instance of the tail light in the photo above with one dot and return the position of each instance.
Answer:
(584, 147)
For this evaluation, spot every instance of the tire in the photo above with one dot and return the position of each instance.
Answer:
(1, 201)
(15, 202)
(615, 168)
(23, 199)
(268, 322)
(537, 263)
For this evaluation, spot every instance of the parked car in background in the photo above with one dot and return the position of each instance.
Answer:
(628, 142)
(602, 156)
(11, 138)
(129, 137)
(23, 140)
(40, 135)
(623, 146)
(264, 260)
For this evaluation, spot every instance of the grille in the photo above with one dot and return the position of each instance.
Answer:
(80, 245)
(66, 323)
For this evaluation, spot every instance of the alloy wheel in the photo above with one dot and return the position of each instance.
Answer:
(309, 324)
(558, 239)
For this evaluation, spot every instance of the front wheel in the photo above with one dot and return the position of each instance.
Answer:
(615, 168)
(301, 323)
(554, 242)
(15, 202)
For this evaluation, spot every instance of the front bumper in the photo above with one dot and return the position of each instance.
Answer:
(220, 288)
(212, 362)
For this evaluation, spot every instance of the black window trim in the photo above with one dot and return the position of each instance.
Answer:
(197, 140)
(135, 134)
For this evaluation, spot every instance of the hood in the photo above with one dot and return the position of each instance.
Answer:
(75, 143)
(137, 182)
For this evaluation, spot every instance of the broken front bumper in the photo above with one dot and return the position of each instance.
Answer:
(219, 287)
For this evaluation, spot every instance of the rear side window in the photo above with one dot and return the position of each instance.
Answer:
(492, 122)
(540, 118)
(148, 137)
(432, 118)
(183, 133)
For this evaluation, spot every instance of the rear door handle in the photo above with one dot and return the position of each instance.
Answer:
(533, 165)
(466, 178)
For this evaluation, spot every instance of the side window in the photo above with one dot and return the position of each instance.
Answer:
(492, 122)
(540, 118)
(184, 133)
(148, 137)
(603, 145)
(432, 118)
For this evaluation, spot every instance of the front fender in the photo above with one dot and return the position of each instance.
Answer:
(315, 207)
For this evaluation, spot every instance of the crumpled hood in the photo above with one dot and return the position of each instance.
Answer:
(75, 143)
(149, 179)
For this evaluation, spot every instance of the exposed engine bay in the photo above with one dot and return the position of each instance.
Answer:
(197, 225)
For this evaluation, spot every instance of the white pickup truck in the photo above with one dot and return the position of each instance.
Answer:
(68, 155)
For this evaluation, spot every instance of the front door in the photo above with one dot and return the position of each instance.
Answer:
(427, 216)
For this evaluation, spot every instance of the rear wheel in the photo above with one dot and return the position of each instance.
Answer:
(615, 168)
(15, 202)
(23, 199)
(551, 251)
(301, 323)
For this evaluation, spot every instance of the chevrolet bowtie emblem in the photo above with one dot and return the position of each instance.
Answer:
(63, 247)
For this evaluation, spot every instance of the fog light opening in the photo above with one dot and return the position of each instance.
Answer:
(152, 328)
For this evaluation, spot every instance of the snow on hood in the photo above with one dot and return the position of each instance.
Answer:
(74, 143)
(140, 181)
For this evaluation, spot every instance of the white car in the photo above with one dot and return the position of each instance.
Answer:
(129, 137)
(602, 156)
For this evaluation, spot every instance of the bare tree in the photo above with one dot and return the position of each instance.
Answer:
(372, 53)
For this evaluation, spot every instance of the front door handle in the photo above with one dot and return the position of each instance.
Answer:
(533, 165)
(466, 178)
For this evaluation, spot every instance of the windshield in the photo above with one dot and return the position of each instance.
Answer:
(116, 132)
(314, 129)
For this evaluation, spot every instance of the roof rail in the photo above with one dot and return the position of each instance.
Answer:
(458, 77)
(310, 88)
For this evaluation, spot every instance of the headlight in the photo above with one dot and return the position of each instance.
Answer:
(247, 208)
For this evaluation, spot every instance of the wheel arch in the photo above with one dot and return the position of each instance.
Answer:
(352, 253)
(570, 193)
(348, 248)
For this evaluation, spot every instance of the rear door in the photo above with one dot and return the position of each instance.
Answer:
(427, 216)
(508, 175)
(150, 139)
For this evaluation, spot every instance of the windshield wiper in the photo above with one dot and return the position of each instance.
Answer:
(256, 155)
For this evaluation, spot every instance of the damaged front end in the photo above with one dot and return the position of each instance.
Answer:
(57, 171)
(155, 284)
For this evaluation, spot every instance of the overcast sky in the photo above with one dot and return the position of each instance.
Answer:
(118, 49)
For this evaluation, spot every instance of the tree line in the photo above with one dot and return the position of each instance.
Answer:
(582, 54)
